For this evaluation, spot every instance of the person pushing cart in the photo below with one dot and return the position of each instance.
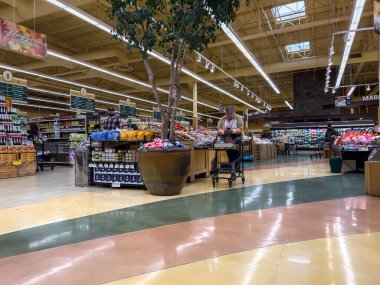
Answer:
(229, 142)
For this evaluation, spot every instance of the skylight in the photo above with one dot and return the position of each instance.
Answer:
(298, 47)
(289, 12)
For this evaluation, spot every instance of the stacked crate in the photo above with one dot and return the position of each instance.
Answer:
(17, 161)
(264, 151)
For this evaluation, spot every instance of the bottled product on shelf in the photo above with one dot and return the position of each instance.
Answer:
(308, 138)
(12, 131)
(57, 133)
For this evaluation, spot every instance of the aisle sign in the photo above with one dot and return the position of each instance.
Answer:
(156, 113)
(20, 39)
(127, 108)
(180, 117)
(210, 123)
(13, 87)
(84, 102)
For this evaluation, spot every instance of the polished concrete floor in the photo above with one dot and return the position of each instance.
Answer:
(292, 222)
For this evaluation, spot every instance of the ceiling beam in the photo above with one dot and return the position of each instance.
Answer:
(307, 63)
(290, 29)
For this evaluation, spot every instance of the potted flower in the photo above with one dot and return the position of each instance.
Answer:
(177, 28)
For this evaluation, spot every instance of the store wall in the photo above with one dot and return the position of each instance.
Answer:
(309, 96)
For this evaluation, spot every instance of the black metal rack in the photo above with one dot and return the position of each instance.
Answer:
(115, 174)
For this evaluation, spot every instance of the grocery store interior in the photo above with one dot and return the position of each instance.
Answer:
(259, 165)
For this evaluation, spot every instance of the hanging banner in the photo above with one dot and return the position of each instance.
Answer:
(376, 14)
(81, 100)
(127, 108)
(13, 87)
(20, 39)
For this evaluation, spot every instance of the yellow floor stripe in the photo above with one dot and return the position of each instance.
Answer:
(336, 261)
(89, 203)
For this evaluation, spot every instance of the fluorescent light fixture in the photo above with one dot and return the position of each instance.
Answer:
(48, 101)
(357, 13)
(288, 104)
(42, 75)
(43, 107)
(241, 46)
(106, 102)
(351, 90)
(103, 70)
(212, 69)
(108, 29)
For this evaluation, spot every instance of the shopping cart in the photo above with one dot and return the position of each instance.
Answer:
(228, 159)
(318, 149)
(43, 156)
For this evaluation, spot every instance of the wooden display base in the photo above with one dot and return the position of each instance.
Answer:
(372, 178)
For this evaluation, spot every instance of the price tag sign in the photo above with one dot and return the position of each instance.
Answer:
(116, 184)
(363, 149)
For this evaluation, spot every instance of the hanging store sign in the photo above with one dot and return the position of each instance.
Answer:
(342, 101)
(127, 108)
(156, 114)
(20, 39)
(82, 100)
(376, 14)
(180, 117)
(210, 123)
(13, 87)
(371, 98)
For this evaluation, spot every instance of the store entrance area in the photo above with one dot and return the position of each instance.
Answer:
(291, 212)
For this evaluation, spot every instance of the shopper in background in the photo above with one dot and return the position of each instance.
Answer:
(112, 122)
(330, 135)
(231, 124)
(286, 141)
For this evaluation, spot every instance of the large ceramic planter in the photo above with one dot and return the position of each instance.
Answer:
(164, 172)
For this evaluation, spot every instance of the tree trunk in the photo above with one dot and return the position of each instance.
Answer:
(152, 80)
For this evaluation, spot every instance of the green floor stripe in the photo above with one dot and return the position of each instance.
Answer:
(179, 210)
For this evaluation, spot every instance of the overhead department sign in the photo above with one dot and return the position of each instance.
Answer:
(23, 40)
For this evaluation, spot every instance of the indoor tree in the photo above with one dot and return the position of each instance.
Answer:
(177, 27)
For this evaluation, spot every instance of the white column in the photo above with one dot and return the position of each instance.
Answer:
(195, 105)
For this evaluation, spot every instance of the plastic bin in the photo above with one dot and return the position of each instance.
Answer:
(81, 166)
(336, 164)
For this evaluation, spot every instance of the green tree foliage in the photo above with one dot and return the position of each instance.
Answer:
(177, 27)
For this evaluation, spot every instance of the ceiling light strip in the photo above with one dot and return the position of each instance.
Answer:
(108, 102)
(237, 83)
(288, 104)
(108, 29)
(247, 53)
(349, 38)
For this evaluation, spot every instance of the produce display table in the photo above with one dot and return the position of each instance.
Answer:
(198, 161)
(357, 155)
